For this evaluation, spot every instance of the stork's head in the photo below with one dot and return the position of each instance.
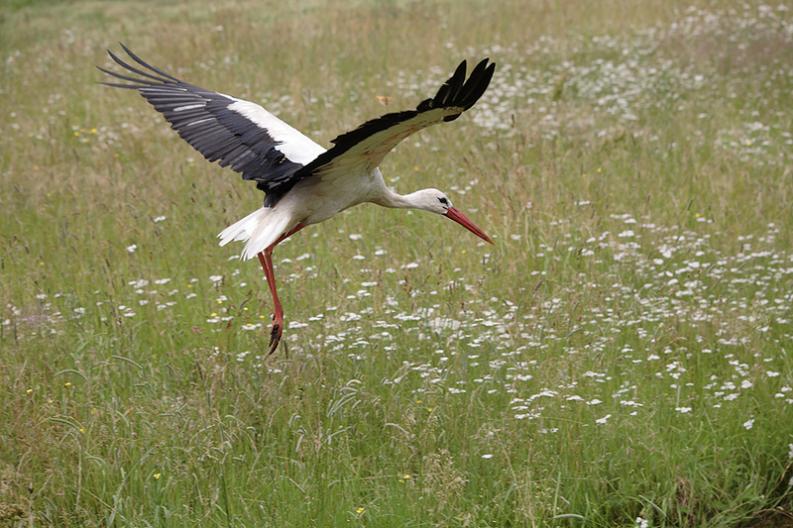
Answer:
(437, 202)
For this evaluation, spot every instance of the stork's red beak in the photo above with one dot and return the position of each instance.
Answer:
(464, 221)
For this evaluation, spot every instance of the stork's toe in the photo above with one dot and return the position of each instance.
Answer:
(275, 336)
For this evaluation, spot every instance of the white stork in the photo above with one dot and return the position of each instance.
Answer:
(303, 183)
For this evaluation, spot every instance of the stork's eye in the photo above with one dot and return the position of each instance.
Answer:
(444, 201)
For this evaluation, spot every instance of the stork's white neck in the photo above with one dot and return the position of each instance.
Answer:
(391, 198)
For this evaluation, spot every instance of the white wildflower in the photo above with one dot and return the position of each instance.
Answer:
(602, 421)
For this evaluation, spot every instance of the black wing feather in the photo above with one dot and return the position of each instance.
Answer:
(202, 118)
(455, 93)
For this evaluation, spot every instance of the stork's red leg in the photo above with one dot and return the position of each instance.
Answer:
(266, 260)
(265, 257)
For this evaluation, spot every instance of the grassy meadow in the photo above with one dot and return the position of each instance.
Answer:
(621, 357)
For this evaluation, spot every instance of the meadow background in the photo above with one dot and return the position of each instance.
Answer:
(620, 356)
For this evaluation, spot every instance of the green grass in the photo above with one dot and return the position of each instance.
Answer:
(621, 352)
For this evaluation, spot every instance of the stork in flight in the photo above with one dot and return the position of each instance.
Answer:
(303, 183)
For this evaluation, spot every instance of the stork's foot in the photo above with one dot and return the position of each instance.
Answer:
(275, 335)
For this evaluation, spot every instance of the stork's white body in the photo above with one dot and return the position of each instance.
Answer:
(309, 202)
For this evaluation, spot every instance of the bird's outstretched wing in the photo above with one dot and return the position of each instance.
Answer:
(236, 133)
(367, 145)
